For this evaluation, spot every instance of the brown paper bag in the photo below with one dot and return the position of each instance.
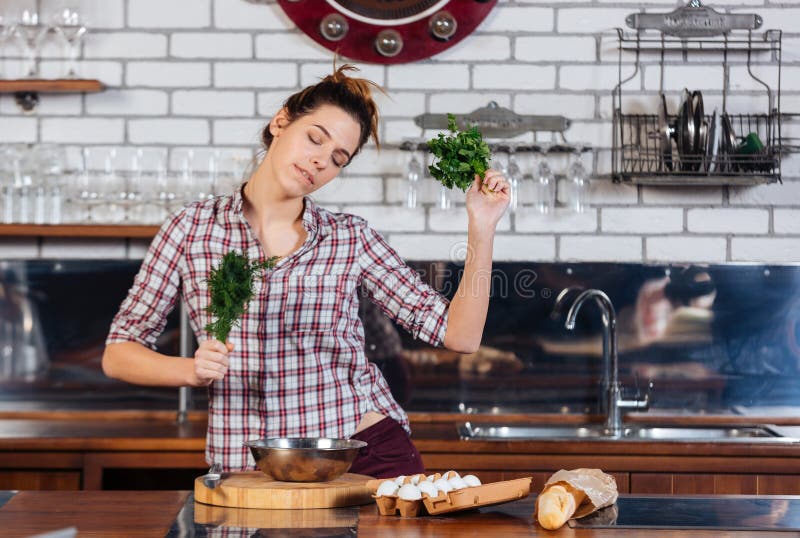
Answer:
(592, 488)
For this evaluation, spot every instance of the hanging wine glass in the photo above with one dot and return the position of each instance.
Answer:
(32, 34)
(414, 173)
(577, 185)
(445, 200)
(545, 188)
(71, 26)
(513, 174)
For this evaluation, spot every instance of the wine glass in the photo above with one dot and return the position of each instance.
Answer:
(83, 194)
(49, 163)
(32, 34)
(545, 187)
(71, 26)
(414, 173)
(148, 174)
(197, 171)
(101, 185)
(7, 30)
(232, 173)
(10, 181)
(577, 185)
(513, 174)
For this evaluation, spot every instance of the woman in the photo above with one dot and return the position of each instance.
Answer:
(295, 366)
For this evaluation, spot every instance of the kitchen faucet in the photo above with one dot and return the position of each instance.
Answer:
(612, 390)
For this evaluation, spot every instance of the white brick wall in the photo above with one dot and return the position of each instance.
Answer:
(171, 14)
(128, 103)
(89, 131)
(524, 77)
(213, 103)
(739, 221)
(168, 74)
(598, 248)
(18, 130)
(125, 45)
(258, 75)
(207, 45)
(201, 73)
(677, 249)
(519, 19)
(168, 131)
(549, 49)
(642, 220)
(426, 76)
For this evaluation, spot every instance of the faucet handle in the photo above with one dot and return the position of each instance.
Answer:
(639, 403)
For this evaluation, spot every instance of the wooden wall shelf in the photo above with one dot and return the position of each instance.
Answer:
(26, 91)
(51, 85)
(77, 230)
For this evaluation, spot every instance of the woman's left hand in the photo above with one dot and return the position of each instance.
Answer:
(488, 199)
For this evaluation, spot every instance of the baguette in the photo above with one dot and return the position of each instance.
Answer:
(557, 504)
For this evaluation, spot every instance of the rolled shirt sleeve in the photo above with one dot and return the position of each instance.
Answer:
(399, 291)
(143, 314)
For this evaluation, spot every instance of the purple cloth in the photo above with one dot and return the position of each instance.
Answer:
(389, 452)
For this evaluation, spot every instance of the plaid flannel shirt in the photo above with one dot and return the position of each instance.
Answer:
(298, 367)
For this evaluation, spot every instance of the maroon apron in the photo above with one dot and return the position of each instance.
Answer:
(389, 452)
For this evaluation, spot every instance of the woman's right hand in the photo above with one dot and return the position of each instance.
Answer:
(210, 362)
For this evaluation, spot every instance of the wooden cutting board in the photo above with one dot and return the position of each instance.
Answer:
(254, 489)
(253, 518)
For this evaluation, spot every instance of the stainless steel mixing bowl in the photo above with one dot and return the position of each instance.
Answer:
(304, 459)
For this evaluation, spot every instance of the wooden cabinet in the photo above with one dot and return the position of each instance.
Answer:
(40, 480)
(662, 474)
(719, 484)
(41, 470)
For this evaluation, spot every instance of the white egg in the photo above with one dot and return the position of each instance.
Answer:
(400, 479)
(471, 480)
(428, 489)
(443, 485)
(458, 483)
(451, 474)
(409, 492)
(417, 478)
(432, 478)
(387, 488)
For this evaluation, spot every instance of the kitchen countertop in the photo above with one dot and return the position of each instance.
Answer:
(128, 514)
(160, 432)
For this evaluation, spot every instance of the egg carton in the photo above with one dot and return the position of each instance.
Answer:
(462, 499)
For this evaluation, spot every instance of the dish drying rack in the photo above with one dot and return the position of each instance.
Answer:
(655, 148)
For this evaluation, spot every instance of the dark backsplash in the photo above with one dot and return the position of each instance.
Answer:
(739, 349)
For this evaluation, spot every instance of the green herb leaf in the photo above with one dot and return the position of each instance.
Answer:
(460, 156)
(232, 288)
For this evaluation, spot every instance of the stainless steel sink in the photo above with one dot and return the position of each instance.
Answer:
(522, 432)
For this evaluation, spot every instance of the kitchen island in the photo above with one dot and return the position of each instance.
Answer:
(175, 514)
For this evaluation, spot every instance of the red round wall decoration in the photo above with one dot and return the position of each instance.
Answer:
(387, 31)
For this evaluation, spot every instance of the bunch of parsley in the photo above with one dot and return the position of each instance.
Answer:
(460, 156)
(232, 287)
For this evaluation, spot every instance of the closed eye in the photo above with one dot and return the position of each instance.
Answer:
(339, 157)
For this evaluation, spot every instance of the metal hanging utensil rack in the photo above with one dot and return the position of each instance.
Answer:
(655, 148)
(496, 123)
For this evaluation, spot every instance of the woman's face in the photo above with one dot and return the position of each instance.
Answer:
(307, 153)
